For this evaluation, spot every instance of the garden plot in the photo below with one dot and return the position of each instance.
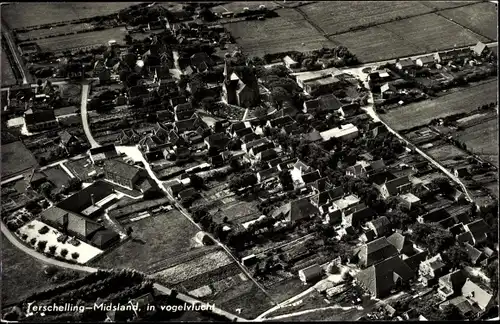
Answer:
(448, 155)
(238, 210)
(84, 251)
(482, 139)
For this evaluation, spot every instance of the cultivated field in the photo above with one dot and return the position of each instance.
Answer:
(285, 33)
(466, 100)
(16, 158)
(47, 32)
(237, 6)
(480, 18)
(448, 155)
(25, 14)
(482, 139)
(238, 211)
(62, 43)
(8, 76)
(339, 16)
(430, 33)
(376, 44)
(157, 239)
(447, 4)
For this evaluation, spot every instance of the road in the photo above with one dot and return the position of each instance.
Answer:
(286, 302)
(84, 114)
(15, 53)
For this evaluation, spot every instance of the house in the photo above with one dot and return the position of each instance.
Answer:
(461, 172)
(39, 120)
(299, 169)
(217, 141)
(409, 200)
(258, 141)
(36, 178)
(102, 153)
(296, 210)
(363, 168)
(479, 230)
(122, 173)
(319, 185)
(290, 63)
(450, 285)
(129, 136)
(138, 91)
(334, 217)
(319, 83)
(104, 238)
(380, 226)
(387, 90)
(309, 177)
(70, 223)
(311, 105)
(310, 273)
(367, 236)
(312, 137)
(266, 156)
(414, 261)
(453, 55)
(395, 187)
(480, 49)
(349, 110)
(433, 216)
(375, 251)
(266, 174)
(201, 61)
(68, 140)
(240, 86)
(431, 269)
(426, 61)
(477, 295)
(380, 279)
(405, 64)
(402, 244)
(344, 133)
(261, 147)
(355, 216)
(185, 125)
(475, 255)
(188, 193)
(456, 195)
(280, 122)
(347, 203)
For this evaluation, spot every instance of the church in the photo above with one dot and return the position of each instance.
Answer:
(240, 85)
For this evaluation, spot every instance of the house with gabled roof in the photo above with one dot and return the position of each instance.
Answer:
(475, 255)
(280, 122)
(38, 120)
(247, 146)
(395, 187)
(266, 156)
(310, 273)
(414, 261)
(217, 141)
(381, 278)
(477, 295)
(319, 185)
(309, 177)
(121, 173)
(296, 210)
(260, 147)
(426, 61)
(401, 243)
(404, 64)
(128, 136)
(185, 125)
(479, 230)
(480, 49)
(450, 285)
(102, 153)
(375, 251)
(357, 215)
(431, 269)
(267, 174)
(380, 226)
(299, 169)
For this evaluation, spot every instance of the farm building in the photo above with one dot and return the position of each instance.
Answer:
(290, 63)
(375, 252)
(40, 120)
(405, 64)
(296, 210)
(102, 153)
(344, 132)
(426, 61)
(310, 273)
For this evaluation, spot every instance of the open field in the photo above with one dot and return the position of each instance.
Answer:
(448, 155)
(48, 32)
(8, 76)
(375, 44)
(237, 6)
(447, 4)
(100, 37)
(157, 238)
(480, 18)
(252, 303)
(19, 15)
(237, 211)
(340, 16)
(287, 32)
(16, 158)
(482, 139)
(432, 32)
(421, 113)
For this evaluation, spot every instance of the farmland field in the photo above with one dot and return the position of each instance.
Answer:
(448, 155)
(57, 30)
(8, 76)
(287, 32)
(157, 240)
(482, 139)
(238, 210)
(62, 43)
(447, 4)
(16, 158)
(237, 6)
(339, 16)
(375, 44)
(480, 18)
(432, 32)
(466, 100)
(19, 15)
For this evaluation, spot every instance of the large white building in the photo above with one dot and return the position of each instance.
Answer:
(344, 132)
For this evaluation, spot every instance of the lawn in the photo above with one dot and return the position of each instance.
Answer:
(421, 113)
(16, 159)
(432, 32)
(480, 18)
(56, 30)
(446, 154)
(286, 289)
(57, 176)
(8, 76)
(447, 4)
(75, 41)
(335, 17)
(238, 210)
(237, 6)
(252, 303)
(138, 206)
(19, 15)
(288, 32)
(482, 139)
(159, 238)
(376, 44)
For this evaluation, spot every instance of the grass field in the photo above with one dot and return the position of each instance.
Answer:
(287, 32)
(339, 16)
(446, 4)
(237, 211)
(466, 100)
(375, 44)
(26, 14)
(447, 155)
(480, 18)
(432, 32)
(237, 6)
(16, 158)
(158, 240)
(57, 30)
(100, 37)
(8, 76)
(482, 139)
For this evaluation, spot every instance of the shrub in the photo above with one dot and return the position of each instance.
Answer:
(41, 245)
(52, 249)
(50, 270)
(75, 255)
(33, 241)
(64, 252)
(25, 236)
(44, 230)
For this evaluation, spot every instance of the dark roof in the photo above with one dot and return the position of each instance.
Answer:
(268, 173)
(478, 227)
(243, 132)
(359, 216)
(393, 185)
(218, 140)
(313, 136)
(435, 215)
(110, 148)
(381, 224)
(121, 169)
(104, 237)
(414, 261)
(454, 280)
(297, 210)
(376, 251)
(474, 254)
(399, 241)
(138, 91)
(329, 102)
(39, 116)
(311, 177)
(185, 125)
(379, 279)
(76, 224)
(249, 138)
(281, 121)
(312, 104)
(320, 184)
(81, 200)
(268, 155)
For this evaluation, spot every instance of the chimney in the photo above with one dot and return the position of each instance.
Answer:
(92, 199)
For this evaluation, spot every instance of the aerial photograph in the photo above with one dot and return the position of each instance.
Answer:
(249, 161)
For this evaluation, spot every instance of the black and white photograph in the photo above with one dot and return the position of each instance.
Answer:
(249, 161)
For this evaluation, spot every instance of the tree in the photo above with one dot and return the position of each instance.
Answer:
(286, 180)
(208, 104)
(64, 252)
(247, 179)
(260, 112)
(196, 181)
(75, 255)
(279, 94)
(45, 189)
(452, 313)
(456, 256)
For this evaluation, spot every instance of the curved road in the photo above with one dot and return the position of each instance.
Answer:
(84, 114)
(13, 49)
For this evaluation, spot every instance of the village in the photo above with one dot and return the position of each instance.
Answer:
(267, 185)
